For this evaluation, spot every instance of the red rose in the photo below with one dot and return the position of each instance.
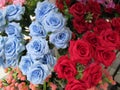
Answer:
(116, 26)
(79, 26)
(109, 10)
(77, 10)
(60, 3)
(105, 55)
(76, 85)
(110, 37)
(116, 23)
(95, 40)
(89, 26)
(92, 75)
(94, 8)
(65, 68)
(73, 36)
(101, 25)
(117, 8)
(80, 51)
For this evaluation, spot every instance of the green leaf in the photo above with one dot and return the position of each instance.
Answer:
(78, 76)
(5, 84)
(4, 81)
(117, 15)
(9, 69)
(15, 75)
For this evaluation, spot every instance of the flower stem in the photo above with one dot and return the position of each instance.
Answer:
(44, 86)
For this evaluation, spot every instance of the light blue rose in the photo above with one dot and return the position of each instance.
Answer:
(14, 12)
(2, 59)
(2, 55)
(2, 18)
(48, 60)
(2, 28)
(42, 9)
(38, 73)
(13, 47)
(36, 29)
(54, 22)
(13, 29)
(61, 39)
(37, 47)
(25, 64)
(11, 62)
(2, 44)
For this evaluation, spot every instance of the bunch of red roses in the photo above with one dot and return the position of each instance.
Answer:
(96, 28)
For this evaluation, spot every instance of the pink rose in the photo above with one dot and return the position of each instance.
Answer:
(2, 3)
(21, 2)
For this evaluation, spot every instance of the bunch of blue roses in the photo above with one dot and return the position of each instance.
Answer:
(11, 37)
(48, 27)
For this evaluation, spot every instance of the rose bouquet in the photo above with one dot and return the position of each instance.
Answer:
(65, 45)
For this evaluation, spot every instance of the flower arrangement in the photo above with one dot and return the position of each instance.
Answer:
(68, 45)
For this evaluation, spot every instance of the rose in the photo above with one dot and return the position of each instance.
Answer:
(2, 43)
(101, 25)
(116, 23)
(14, 12)
(2, 18)
(92, 75)
(110, 37)
(83, 1)
(2, 56)
(105, 55)
(42, 9)
(99, 1)
(13, 29)
(95, 40)
(2, 61)
(2, 3)
(80, 51)
(79, 26)
(78, 10)
(36, 29)
(61, 39)
(37, 47)
(76, 85)
(21, 2)
(11, 62)
(25, 64)
(117, 8)
(93, 8)
(53, 22)
(38, 73)
(48, 60)
(60, 4)
(65, 68)
(13, 48)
